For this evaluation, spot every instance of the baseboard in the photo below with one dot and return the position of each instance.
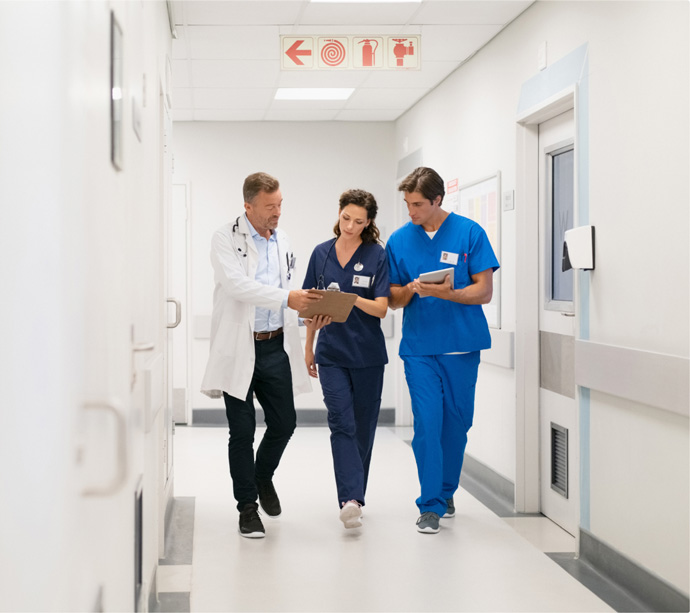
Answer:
(612, 576)
(305, 417)
(657, 594)
(490, 488)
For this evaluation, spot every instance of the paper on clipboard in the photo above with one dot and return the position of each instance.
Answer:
(336, 304)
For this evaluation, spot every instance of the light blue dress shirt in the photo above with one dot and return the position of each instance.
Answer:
(267, 273)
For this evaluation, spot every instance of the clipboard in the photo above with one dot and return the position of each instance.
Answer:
(336, 304)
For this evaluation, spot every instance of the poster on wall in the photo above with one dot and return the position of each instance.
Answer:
(480, 202)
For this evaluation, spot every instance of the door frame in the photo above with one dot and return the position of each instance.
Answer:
(527, 479)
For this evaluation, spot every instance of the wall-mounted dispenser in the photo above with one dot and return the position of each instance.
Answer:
(578, 248)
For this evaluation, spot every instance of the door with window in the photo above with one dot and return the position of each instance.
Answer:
(558, 415)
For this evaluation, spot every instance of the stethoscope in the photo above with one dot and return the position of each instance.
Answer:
(358, 266)
(235, 228)
(289, 257)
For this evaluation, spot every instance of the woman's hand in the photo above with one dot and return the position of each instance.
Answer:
(317, 322)
(311, 365)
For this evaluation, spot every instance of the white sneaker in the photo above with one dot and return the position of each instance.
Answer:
(351, 514)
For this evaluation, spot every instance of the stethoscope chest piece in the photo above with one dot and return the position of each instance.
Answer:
(359, 266)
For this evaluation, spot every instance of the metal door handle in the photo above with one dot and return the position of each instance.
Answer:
(568, 314)
(121, 473)
(143, 346)
(178, 312)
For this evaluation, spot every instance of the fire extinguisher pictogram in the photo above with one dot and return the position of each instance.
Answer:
(369, 52)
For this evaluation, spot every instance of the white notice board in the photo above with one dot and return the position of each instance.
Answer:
(480, 202)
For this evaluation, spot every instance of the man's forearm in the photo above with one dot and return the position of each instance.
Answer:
(400, 296)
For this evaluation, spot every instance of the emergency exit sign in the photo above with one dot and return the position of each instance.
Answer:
(350, 52)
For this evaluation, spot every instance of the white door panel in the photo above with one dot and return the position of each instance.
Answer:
(558, 417)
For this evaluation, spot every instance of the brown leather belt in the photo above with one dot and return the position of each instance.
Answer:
(264, 336)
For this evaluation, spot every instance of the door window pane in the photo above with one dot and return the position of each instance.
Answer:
(562, 196)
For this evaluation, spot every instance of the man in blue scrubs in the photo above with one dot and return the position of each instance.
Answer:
(444, 329)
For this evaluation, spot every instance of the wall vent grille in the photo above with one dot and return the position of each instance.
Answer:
(559, 459)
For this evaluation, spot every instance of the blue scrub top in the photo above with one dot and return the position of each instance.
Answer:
(357, 342)
(432, 326)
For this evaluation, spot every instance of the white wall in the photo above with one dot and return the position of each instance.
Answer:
(638, 201)
(314, 162)
(73, 292)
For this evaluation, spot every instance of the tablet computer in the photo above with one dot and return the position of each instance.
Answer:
(438, 276)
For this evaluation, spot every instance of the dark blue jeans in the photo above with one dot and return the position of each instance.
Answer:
(272, 384)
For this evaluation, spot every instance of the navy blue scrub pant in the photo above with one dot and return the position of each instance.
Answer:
(272, 383)
(442, 391)
(353, 400)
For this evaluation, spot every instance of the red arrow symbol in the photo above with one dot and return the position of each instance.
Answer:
(293, 52)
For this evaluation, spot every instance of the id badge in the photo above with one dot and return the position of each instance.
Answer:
(449, 258)
(361, 281)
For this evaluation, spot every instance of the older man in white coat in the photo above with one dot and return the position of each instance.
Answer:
(255, 345)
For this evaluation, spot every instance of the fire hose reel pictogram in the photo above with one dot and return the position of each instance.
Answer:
(333, 52)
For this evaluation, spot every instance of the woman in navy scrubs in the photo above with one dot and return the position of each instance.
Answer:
(351, 355)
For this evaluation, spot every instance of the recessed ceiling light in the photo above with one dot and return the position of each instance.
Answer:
(314, 93)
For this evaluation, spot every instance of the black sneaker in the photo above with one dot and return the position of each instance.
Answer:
(250, 522)
(268, 498)
(450, 508)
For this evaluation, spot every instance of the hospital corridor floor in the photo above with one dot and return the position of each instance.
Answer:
(478, 561)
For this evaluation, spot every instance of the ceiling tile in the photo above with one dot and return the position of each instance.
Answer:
(300, 115)
(234, 73)
(234, 42)
(228, 115)
(432, 74)
(347, 30)
(477, 12)
(322, 78)
(388, 98)
(308, 105)
(356, 13)
(235, 98)
(239, 12)
(368, 115)
(455, 43)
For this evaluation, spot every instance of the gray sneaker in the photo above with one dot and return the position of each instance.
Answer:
(428, 522)
(450, 508)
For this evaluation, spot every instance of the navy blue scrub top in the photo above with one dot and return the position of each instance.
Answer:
(357, 342)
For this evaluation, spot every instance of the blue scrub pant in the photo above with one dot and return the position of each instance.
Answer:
(442, 391)
(353, 400)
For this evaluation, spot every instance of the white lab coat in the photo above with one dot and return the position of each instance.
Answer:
(237, 294)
